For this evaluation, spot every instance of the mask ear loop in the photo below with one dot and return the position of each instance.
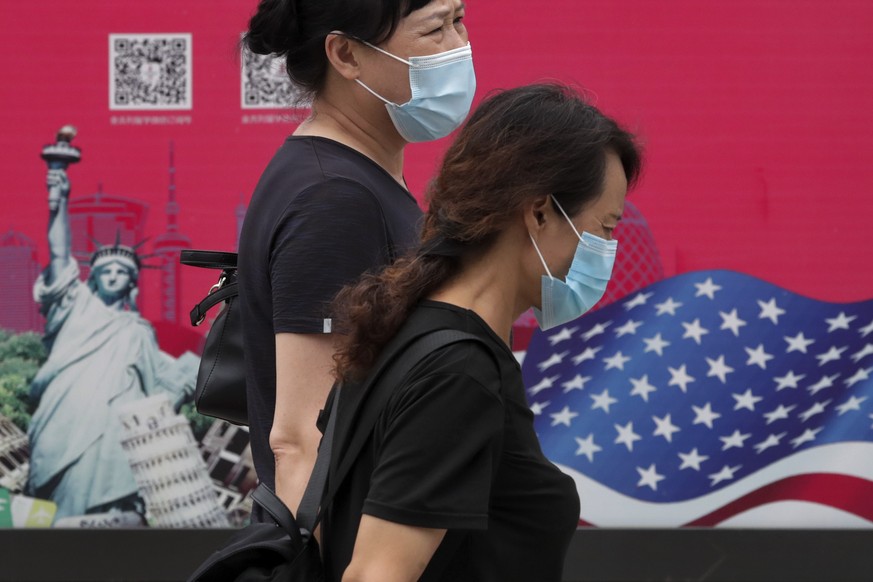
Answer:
(558, 204)
(542, 260)
(372, 46)
(384, 52)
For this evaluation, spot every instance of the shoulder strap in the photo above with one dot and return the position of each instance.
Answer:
(208, 259)
(381, 387)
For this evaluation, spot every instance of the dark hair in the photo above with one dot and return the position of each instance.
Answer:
(296, 29)
(518, 145)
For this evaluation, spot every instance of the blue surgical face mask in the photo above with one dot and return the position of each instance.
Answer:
(442, 91)
(586, 281)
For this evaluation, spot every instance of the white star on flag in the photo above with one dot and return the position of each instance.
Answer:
(543, 384)
(642, 387)
(679, 377)
(627, 436)
(694, 331)
(638, 300)
(807, 436)
(656, 344)
(780, 413)
(705, 415)
(825, 382)
(628, 328)
(770, 311)
(746, 400)
(735, 440)
(587, 447)
(758, 357)
(668, 306)
(537, 407)
(862, 353)
(772, 441)
(789, 380)
(707, 288)
(831, 355)
(798, 343)
(718, 369)
(732, 322)
(596, 330)
(602, 401)
(853, 403)
(564, 417)
(649, 477)
(577, 383)
(588, 354)
(692, 460)
(553, 361)
(617, 360)
(816, 408)
(726, 474)
(665, 427)
(563, 335)
(867, 329)
(840, 322)
(859, 376)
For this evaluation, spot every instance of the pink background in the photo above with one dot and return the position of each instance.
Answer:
(755, 115)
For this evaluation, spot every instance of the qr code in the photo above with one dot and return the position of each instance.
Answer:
(265, 84)
(150, 71)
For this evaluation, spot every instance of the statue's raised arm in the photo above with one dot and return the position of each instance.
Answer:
(58, 157)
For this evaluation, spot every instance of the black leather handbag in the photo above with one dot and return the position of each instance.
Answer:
(221, 379)
(285, 550)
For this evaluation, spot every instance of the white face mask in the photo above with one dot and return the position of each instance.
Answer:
(442, 87)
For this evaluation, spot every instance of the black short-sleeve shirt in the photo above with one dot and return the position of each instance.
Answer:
(455, 449)
(321, 215)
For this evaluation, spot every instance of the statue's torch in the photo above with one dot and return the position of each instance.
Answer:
(58, 156)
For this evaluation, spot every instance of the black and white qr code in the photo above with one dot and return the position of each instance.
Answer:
(265, 84)
(150, 71)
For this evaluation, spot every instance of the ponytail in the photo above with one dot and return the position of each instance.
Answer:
(370, 312)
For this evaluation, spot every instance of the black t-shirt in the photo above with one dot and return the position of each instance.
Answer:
(455, 449)
(321, 215)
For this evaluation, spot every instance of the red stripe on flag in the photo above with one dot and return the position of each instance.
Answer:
(850, 494)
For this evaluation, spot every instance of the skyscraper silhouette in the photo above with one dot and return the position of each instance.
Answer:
(20, 269)
(167, 248)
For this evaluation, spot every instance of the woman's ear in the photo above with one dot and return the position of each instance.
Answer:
(340, 50)
(536, 212)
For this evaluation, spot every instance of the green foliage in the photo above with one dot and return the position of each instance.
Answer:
(199, 423)
(21, 356)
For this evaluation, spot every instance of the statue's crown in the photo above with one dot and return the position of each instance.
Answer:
(117, 252)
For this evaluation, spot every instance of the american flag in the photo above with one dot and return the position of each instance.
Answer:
(709, 395)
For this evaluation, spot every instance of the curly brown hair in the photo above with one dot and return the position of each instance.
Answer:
(519, 144)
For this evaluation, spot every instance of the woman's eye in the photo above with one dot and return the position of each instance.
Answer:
(458, 20)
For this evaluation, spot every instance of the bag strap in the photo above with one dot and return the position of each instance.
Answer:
(306, 514)
(395, 368)
(223, 293)
(208, 259)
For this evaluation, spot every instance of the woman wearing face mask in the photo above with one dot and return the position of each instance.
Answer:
(453, 484)
(333, 203)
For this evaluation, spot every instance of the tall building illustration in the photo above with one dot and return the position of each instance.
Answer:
(20, 267)
(167, 466)
(166, 248)
(14, 456)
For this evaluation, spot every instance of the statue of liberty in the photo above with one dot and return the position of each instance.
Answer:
(102, 355)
